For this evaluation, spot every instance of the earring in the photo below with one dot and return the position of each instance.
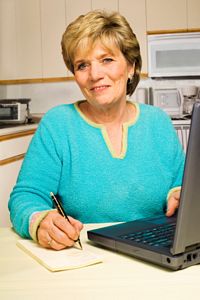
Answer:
(130, 79)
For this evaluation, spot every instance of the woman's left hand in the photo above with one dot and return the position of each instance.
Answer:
(173, 203)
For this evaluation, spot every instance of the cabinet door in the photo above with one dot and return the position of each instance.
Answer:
(7, 40)
(134, 12)
(52, 28)
(111, 5)
(194, 14)
(10, 151)
(75, 8)
(15, 146)
(29, 56)
(8, 177)
(166, 15)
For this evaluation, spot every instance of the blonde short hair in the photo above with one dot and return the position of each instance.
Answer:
(109, 28)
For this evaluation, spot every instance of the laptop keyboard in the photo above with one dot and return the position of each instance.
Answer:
(158, 236)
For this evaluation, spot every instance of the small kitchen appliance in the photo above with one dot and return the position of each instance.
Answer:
(14, 111)
(169, 99)
(174, 55)
(176, 102)
(190, 94)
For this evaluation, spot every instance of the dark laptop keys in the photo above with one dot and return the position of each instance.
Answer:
(157, 236)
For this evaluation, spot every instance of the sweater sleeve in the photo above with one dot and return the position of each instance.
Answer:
(178, 162)
(175, 158)
(170, 149)
(39, 175)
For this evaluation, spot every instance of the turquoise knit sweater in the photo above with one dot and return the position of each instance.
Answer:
(72, 157)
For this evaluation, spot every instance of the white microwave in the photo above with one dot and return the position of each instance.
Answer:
(174, 55)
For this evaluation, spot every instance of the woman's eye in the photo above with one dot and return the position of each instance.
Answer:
(107, 60)
(81, 66)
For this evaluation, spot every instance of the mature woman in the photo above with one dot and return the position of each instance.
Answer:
(108, 159)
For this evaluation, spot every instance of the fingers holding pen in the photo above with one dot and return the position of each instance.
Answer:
(57, 233)
(71, 227)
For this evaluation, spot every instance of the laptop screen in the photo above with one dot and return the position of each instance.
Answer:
(188, 221)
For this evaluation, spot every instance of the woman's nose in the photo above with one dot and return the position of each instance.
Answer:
(96, 71)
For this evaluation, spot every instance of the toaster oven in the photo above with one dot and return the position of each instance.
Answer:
(14, 111)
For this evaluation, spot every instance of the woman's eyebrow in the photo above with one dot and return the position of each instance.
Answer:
(100, 56)
(77, 62)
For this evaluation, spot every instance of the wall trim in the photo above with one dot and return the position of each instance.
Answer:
(11, 159)
(44, 80)
(173, 31)
(15, 135)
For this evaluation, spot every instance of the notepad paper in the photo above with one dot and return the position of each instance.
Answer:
(54, 260)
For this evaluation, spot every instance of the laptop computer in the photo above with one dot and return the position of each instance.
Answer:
(171, 242)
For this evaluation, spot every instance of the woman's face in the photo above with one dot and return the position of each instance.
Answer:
(102, 74)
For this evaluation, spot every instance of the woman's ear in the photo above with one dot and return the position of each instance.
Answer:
(131, 71)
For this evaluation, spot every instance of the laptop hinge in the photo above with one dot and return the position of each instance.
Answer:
(187, 249)
(192, 247)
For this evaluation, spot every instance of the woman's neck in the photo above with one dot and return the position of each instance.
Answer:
(117, 114)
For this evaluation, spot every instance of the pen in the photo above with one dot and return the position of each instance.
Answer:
(62, 212)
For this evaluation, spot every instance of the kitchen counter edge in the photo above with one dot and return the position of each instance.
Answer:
(20, 130)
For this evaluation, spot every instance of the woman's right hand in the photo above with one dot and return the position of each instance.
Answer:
(57, 233)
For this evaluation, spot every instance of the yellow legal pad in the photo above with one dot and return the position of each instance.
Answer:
(53, 260)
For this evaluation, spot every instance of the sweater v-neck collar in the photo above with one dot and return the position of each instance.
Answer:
(102, 127)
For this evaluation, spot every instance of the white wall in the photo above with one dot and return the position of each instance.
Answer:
(3, 92)
(46, 95)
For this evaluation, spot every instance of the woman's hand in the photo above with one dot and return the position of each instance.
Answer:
(57, 233)
(173, 203)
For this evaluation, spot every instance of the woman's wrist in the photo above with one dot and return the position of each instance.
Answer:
(34, 222)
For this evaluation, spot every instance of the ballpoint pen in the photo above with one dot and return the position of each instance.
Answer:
(62, 212)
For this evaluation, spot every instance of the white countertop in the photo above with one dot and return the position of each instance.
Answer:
(117, 277)
(20, 128)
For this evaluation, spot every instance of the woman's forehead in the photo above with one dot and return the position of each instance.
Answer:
(86, 47)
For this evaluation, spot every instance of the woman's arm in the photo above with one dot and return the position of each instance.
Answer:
(39, 175)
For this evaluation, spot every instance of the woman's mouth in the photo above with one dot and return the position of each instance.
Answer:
(99, 88)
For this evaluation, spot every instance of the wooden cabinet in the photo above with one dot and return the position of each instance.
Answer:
(20, 42)
(8, 177)
(75, 8)
(194, 14)
(8, 58)
(30, 39)
(111, 5)
(166, 15)
(12, 150)
(31, 30)
(28, 33)
(7, 39)
(13, 146)
(134, 12)
(52, 27)
(179, 15)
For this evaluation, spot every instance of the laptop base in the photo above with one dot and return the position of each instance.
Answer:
(161, 256)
